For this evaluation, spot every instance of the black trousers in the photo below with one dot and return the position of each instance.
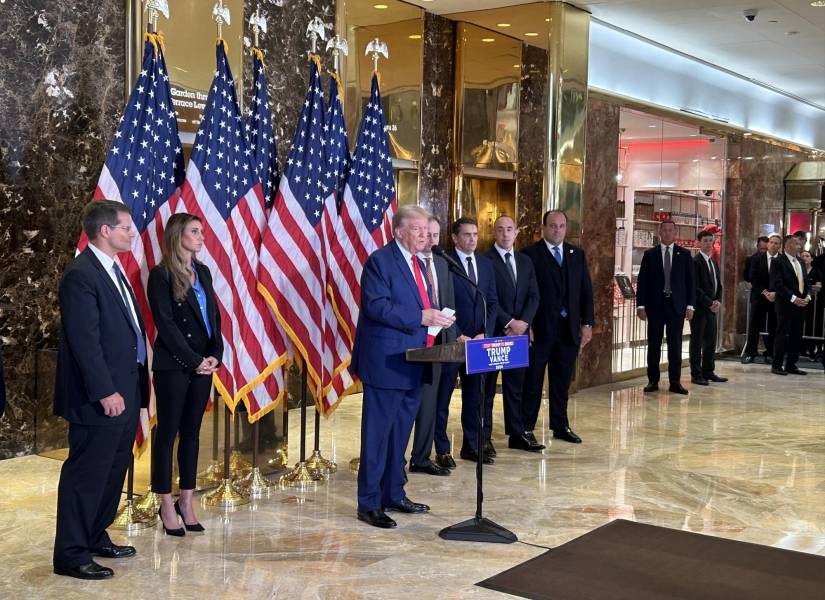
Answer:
(702, 343)
(425, 421)
(789, 322)
(557, 358)
(761, 310)
(446, 386)
(181, 399)
(512, 383)
(656, 325)
(91, 481)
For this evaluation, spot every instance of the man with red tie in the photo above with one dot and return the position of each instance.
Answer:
(395, 314)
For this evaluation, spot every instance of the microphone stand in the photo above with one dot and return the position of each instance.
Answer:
(479, 528)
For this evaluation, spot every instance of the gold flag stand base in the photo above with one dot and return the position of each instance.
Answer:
(239, 467)
(149, 503)
(256, 485)
(131, 520)
(354, 463)
(281, 458)
(317, 462)
(301, 478)
(211, 476)
(226, 496)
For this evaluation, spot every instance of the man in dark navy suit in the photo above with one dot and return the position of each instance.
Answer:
(666, 294)
(703, 325)
(395, 314)
(790, 283)
(518, 300)
(762, 299)
(471, 323)
(101, 385)
(563, 323)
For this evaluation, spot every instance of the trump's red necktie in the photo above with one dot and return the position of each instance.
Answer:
(422, 291)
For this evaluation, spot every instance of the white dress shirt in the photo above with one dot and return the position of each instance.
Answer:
(108, 262)
(407, 259)
(463, 260)
(663, 248)
(709, 263)
(501, 252)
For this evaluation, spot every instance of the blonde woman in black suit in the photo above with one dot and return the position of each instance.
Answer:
(187, 351)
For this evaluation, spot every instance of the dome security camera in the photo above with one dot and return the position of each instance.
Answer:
(750, 14)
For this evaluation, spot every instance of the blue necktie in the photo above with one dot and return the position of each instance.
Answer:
(557, 255)
(141, 343)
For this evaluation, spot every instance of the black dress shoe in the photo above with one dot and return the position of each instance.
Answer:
(489, 448)
(471, 455)
(715, 378)
(376, 518)
(405, 505)
(653, 386)
(778, 371)
(91, 570)
(195, 527)
(699, 380)
(678, 388)
(429, 469)
(567, 435)
(531, 436)
(767, 358)
(795, 370)
(445, 461)
(522, 442)
(114, 551)
(747, 360)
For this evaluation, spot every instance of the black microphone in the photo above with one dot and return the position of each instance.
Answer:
(451, 262)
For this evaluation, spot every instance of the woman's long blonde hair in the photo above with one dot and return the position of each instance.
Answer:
(173, 259)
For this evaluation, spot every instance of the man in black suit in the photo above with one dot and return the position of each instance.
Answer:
(762, 300)
(708, 304)
(471, 323)
(518, 300)
(761, 248)
(563, 323)
(442, 294)
(666, 293)
(789, 281)
(101, 385)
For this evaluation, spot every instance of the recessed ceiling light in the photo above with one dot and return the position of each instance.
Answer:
(502, 24)
(653, 126)
(415, 36)
(547, 20)
(488, 40)
(380, 6)
(516, 66)
(531, 34)
(818, 3)
(747, 134)
(694, 134)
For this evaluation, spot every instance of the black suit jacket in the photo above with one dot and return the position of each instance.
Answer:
(746, 273)
(785, 284)
(97, 355)
(446, 295)
(650, 283)
(705, 292)
(519, 301)
(182, 341)
(470, 319)
(550, 281)
(760, 278)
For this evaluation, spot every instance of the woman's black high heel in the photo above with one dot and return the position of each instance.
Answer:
(179, 532)
(195, 527)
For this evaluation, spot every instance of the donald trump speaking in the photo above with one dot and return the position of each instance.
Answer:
(395, 314)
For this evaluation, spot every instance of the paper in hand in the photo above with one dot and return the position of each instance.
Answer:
(435, 329)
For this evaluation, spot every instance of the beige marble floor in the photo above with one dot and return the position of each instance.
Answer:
(744, 460)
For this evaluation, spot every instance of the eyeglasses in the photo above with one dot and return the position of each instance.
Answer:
(126, 228)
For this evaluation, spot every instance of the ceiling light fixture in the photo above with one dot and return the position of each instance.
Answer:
(653, 126)
(502, 24)
(516, 66)
(747, 134)
(488, 40)
(380, 6)
(531, 34)
(818, 3)
(415, 36)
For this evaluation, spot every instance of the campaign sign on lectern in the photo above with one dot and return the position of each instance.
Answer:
(496, 354)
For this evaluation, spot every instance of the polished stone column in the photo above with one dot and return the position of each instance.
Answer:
(569, 29)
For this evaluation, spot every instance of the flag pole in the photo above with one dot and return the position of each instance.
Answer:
(301, 478)
(129, 518)
(239, 467)
(226, 496)
(150, 502)
(213, 474)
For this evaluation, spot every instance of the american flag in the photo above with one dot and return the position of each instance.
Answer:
(222, 187)
(260, 133)
(337, 334)
(292, 270)
(367, 208)
(144, 170)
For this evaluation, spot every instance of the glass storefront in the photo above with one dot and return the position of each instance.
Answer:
(666, 171)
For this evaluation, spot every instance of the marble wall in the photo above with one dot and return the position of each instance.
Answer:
(437, 108)
(67, 64)
(532, 142)
(755, 197)
(598, 235)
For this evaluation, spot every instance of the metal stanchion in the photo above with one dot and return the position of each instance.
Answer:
(239, 467)
(213, 474)
(255, 484)
(281, 458)
(227, 495)
(317, 462)
(129, 518)
(300, 477)
(150, 502)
